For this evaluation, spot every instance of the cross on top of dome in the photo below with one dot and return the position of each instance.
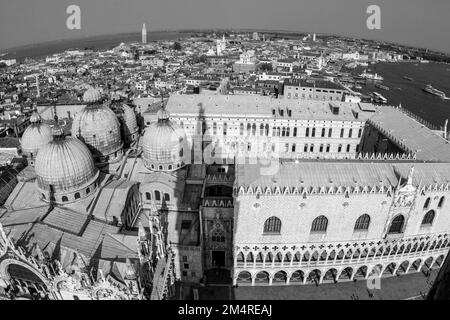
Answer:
(35, 117)
(57, 132)
(162, 115)
(92, 95)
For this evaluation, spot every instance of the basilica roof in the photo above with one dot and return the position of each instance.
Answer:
(37, 135)
(70, 225)
(66, 164)
(97, 125)
(164, 144)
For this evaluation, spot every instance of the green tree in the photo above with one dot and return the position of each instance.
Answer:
(266, 67)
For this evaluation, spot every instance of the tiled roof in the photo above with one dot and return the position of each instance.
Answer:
(346, 174)
(261, 107)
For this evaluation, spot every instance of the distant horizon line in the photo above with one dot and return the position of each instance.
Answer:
(193, 30)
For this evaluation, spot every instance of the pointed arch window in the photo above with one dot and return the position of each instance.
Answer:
(319, 224)
(272, 225)
(427, 203)
(218, 235)
(441, 202)
(362, 223)
(428, 218)
(397, 224)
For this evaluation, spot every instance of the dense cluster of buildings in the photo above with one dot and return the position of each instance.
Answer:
(121, 195)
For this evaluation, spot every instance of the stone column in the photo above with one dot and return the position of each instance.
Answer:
(409, 266)
(396, 269)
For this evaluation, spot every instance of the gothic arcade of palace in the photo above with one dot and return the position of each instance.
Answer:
(268, 191)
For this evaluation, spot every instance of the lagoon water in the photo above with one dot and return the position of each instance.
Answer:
(430, 108)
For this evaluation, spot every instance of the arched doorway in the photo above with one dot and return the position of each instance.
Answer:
(262, 277)
(360, 273)
(376, 270)
(279, 278)
(346, 274)
(330, 276)
(403, 267)
(297, 276)
(415, 266)
(389, 270)
(244, 277)
(438, 262)
(25, 281)
(314, 276)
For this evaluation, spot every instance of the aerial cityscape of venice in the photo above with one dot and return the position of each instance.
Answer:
(212, 160)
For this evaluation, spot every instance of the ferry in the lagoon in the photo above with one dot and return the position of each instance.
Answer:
(429, 88)
(377, 85)
(378, 98)
(371, 76)
(408, 78)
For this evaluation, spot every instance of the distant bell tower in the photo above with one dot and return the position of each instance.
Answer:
(38, 91)
(144, 34)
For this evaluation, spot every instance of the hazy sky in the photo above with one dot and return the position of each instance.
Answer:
(423, 23)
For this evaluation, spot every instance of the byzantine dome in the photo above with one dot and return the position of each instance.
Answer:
(36, 136)
(127, 119)
(65, 169)
(164, 144)
(98, 127)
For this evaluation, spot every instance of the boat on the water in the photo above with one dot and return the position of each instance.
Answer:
(371, 76)
(378, 98)
(377, 85)
(408, 78)
(429, 89)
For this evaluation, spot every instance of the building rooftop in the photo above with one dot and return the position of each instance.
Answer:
(411, 135)
(310, 174)
(262, 107)
(313, 83)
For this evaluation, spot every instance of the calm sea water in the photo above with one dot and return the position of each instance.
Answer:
(430, 108)
(96, 43)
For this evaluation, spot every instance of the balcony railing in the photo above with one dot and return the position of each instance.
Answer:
(341, 261)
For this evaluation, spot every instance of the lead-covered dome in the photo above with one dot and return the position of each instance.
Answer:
(65, 169)
(98, 127)
(37, 135)
(130, 123)
(164, 144)
(127, 119)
